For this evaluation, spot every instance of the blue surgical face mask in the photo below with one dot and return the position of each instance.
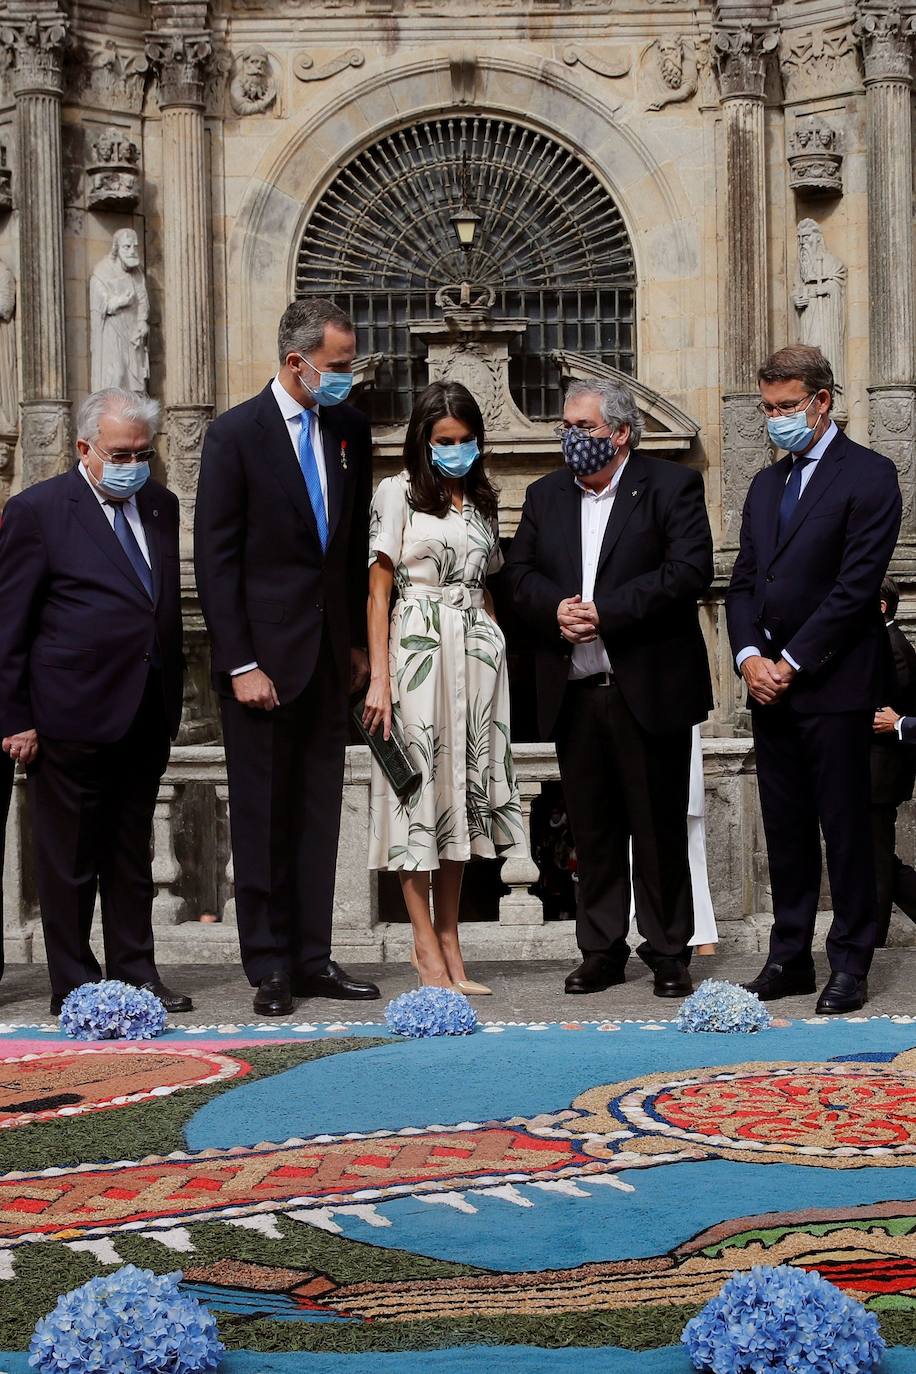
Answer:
(332, 388)
(791, 432)
(121, 480)
(455, 460)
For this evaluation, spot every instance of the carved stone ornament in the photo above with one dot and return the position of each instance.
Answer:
(613, 63)
(817, 59)
(253, 88)
(46, 447)
(815, 160)
(670, 72)
(9, 370)
(304, 68)
(745, 451)
(109, 78)
(741, 55)
(892, 431)
(36, 47)
(113, 171)
(181, 61)
(119, 317)
(6, 178)
(885, 37)
(185, 427)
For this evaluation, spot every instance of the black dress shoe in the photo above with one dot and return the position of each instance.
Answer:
(334, 982)
(172, 1001)
(842, 992)
(775, 981)
(595, 973)
(273, 997)
(672, 977)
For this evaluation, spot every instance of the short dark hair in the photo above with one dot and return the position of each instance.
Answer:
(303, 324)
(799, 361)
(890, 595)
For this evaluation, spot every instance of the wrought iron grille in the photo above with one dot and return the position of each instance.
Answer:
(550, 240)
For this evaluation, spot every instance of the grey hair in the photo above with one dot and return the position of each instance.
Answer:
(128, 405)
(618, 404)
(303, 324)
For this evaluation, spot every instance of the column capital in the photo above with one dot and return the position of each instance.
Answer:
(885, 38)
(741, 51)
(34, 50)
(181, 60)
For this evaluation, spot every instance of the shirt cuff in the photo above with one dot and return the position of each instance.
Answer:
(791, 661)
(898, 726)
(245, 668)
(750, 652)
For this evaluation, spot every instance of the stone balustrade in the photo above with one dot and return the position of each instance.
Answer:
(192, 867)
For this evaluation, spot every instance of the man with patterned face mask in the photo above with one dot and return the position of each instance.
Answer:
(612, 552)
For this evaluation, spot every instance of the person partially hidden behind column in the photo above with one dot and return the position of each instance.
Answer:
(612, 552)
(281, 531)
(817, 534)
(893, 770)
(91, 670)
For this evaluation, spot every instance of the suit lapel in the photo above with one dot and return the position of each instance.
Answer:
(629, 493)
(333, 466)
(282, 458)
(779, 475)
(149, 516)
(817, 485)
(569, 520)
(95, 522)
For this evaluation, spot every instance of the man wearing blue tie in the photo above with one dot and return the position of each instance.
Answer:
(817, 534)
(280, 545)
(91, 669)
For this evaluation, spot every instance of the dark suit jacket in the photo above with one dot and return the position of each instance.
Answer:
(77, 629)
(817, 589)
(893, 769)
(656, 560)
(266, 588)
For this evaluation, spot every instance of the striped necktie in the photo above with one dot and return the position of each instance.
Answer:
(309, 465)
(791, 494)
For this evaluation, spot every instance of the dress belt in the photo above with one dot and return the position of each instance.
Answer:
(593, 680)
(458, 596)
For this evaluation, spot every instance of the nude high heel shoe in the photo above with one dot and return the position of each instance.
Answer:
(472, 989)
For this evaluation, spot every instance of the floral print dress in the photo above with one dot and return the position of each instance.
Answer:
(449, 691)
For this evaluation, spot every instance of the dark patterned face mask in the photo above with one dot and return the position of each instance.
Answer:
(584, 454)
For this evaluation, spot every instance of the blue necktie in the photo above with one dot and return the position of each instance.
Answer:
(790, 495)
(128, 541)
(309, 465)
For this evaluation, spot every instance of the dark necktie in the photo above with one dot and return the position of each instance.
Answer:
(309, 465)
(128, 541)
(790, 495)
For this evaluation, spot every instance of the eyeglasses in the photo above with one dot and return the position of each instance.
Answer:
(590, 430)
(125, 455)
(785, 407)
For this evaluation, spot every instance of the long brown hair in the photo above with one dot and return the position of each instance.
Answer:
(428, 492)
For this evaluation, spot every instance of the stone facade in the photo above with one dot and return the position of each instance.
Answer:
(694, 138)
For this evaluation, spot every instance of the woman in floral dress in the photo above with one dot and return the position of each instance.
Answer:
(438, 665)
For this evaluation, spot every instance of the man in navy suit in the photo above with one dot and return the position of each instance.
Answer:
(818, 532)
(281, 549)
(91, 670)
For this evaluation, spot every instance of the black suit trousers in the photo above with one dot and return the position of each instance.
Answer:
(285, 790)
(92, 818)
(6, 791)
(896, 881)
(621, 782)
(813, 774)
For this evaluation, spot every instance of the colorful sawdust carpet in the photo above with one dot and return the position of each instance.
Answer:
(572, 1194)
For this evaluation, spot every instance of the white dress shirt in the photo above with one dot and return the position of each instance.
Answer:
(295, 416)
(814, 455)
(130, 510)
(596, 507)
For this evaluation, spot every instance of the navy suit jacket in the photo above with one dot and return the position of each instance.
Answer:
(656, 560)
(817, 589)
(266, 588)
(77, 630)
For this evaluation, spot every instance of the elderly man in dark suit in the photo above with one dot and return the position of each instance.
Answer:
(612, 552)
(91, 669)
(818, 532)
(281, 550)
(893, 770)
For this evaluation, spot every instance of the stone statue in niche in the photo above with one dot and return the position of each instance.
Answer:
(252, 89)
(119, 313)
(9, 372)
(819, 297)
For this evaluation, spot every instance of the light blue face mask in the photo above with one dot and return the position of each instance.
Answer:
(332, 388)
(455, 460)
(791, 432)
(121, 480)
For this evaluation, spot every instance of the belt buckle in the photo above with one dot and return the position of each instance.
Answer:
(604, 679)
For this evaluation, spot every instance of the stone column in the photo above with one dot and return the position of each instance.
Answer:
(741, 50)
(886, 41)
(34, 33)
(180, 49)
(169, 907)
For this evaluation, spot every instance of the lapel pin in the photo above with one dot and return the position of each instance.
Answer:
(633, 492)
(155, 512)
(343, 454)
